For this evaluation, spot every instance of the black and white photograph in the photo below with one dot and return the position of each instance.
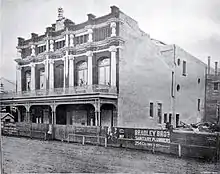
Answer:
(110, 86)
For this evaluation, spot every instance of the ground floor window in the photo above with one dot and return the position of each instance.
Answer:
(165, 118)
(177, 120)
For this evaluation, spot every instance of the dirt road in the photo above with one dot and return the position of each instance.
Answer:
(23, 155)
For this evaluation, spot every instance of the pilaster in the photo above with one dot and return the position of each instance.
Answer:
(32, 76)
(113, 51)
(51, 78)
(71, 71)
(18, 77)
(89, 55)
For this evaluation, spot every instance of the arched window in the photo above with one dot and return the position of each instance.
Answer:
(42, 80)
(59, 76)
(28, 80)
(104, 71)
(82, 73)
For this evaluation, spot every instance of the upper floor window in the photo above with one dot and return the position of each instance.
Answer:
(101, 33)
(41, 49)
(28, 80)
(104, 71)
(184, 68)
(81, 39)
(82, 73)
(42, 76)
(216, 86)
(59, 44)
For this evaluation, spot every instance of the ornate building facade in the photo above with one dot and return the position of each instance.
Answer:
(102, 72)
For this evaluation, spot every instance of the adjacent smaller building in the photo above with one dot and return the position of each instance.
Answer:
(6, 85)
(212, 104)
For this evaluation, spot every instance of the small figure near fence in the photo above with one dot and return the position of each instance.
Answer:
(169, 126)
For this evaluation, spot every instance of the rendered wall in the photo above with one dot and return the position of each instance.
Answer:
(143, 78)
(186, 99)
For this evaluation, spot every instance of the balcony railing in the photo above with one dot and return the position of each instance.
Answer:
(62, 91)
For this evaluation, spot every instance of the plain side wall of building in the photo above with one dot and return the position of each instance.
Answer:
(186, 99)
(143, 78)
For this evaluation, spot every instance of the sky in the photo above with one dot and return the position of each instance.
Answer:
(193, 25)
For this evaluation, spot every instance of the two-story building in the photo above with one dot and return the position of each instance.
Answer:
(105, 72)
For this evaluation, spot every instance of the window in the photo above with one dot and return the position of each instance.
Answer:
(101, 33)
(184, 68)
(177, 120)
(178, 87)
(59, 76)
(28, 80)
(215, 85)
(159, 112)
(81, 39)
(104, 71)
(198, 105)
(82, 72)
(41, 49)
(151, 109)
(42, 85)
(172, 90)
(165, 118)
(170, 118)
(178, 62)
(59, 44)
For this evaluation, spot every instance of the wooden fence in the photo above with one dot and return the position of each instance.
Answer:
(23, 129)
(180, 143)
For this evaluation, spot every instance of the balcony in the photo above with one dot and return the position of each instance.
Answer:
(101, 89)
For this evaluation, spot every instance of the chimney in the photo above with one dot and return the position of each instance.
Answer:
(34, 35)
(209, 61)
(20, 41)
(53, 26)
(114, 9)
(49, 29)
(91, 16)
(216, 68)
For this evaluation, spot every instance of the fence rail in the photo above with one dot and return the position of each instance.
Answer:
(87, 136)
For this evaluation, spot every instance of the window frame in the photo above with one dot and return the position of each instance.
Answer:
(151, 109)
(184, 68)
(216, 86)
(198, 104)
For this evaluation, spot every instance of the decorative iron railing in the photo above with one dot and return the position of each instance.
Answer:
(104, 89)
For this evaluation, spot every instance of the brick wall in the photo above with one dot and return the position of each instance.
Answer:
(212, 97)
